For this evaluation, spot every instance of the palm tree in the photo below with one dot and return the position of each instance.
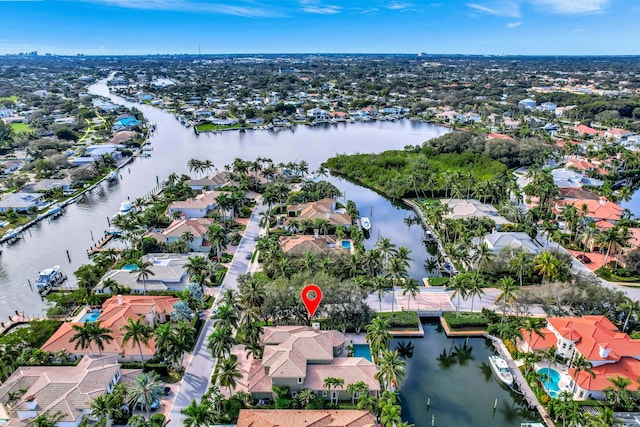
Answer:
(507, 286)
(546, 265)
(378, 335)
(412, 287)
(474, 287)
(631, 307)
(603, 419)
(198, 415)
(138, 332)
(612, 240)
(187, 236)
(220, 342)
(581, 364)
(146, 389)
(226, 317)
(386, 248)
(91, 332)
(331, 382)
(217, 236)
(143, 272)
(460, 289)
(392, 370)
(46, 420)
(226, 372)
(483, 256)
(106, 407)
(520, 265)
(390, 414)
(380, 286)
(357, 389)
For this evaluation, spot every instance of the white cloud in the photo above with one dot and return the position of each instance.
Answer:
(502, 8)
(192, 6)
(513, 24)
(572, 7)
(322, 10)
(399, 6)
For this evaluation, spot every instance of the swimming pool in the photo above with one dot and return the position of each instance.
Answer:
(130, 267)
(362, 350)
(551, 382)
(90, 317)
(346, 244)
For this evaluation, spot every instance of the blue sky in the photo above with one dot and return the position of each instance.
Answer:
(525, 27)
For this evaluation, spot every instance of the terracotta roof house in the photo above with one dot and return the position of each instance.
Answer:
(611, 352)
(596, 209)
(67, 390)
(197, 227)
(586, 130)
(298, 245)
(115, 312)
(322, 209)
(197, 207)
(301, 357)
(500, 136)
(168, 270)
(306, 418)
(472, 208)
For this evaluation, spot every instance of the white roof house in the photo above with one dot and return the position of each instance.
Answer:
(472, 208)
(501, 240)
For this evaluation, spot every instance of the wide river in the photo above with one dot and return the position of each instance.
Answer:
(46, 243)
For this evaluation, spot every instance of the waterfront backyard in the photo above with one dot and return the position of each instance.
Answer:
(454, 376)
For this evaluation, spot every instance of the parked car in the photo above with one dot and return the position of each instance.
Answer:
(584, 259)
(248, 256)
(264, 402)
(167, 391)
(140, 406)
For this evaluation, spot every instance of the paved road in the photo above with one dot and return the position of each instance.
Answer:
(197, 377)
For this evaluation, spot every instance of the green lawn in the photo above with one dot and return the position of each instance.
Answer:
(21, 127)
(12, 98)
(206, 127)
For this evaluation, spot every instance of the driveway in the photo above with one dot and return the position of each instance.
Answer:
(197, 376)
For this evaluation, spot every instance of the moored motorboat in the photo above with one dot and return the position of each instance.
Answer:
(113, 176)
(365, 223)
(54, 211)
(125, 207)
(49, 277)
(501, 369)
(12, 234)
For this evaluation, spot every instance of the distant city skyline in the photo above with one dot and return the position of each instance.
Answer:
(485, 27)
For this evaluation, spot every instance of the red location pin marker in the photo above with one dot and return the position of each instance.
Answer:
(311, 296)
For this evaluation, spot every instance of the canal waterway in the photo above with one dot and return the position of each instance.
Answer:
(450, 378)
(47, 243)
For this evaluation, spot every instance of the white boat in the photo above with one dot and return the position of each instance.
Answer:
(113, 176)
(49, 278)
(366, 223)
(501, 369)
(125, 206)
(12, 234)
(54, 211)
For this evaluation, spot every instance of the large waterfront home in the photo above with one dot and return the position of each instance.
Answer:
(498, 241)
(472, 208)
(197, 207)
(597, 210)
(306, 418)
(22, 202)
(325, 209)
(212, 182)
(168, 275)
(611, 352)
(116, 311)
(196, 228)
(65, 390)
(301, 357)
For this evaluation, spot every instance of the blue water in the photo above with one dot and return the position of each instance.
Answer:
(130, 267)
(346, 244)
(551, 384)
(90, 317)
(362, 350)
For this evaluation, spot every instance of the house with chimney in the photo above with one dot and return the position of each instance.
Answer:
(612, 353)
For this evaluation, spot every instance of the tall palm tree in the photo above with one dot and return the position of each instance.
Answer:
(91, 332)
(106, 407)
(392, 370)
(217, 236)
(520, 265)
(380, 286)
(474, 287)
(507, 295)
(631, 307)
(581, 364)
(143, 272)
(356, 389)
(226, 373)
(227, 316)
(460, 289)
(546, 265)
(378, 335)
(220, 342)
(483, 256)
(390, 414)
(146, 389)
(137, 331)
(330, 383)
(46, 420)
(412, 287)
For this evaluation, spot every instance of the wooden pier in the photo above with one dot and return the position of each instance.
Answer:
(99, 247)
(21, 319)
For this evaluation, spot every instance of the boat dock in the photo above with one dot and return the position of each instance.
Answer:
(100, 246)
(523, 387)
(21, 319)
